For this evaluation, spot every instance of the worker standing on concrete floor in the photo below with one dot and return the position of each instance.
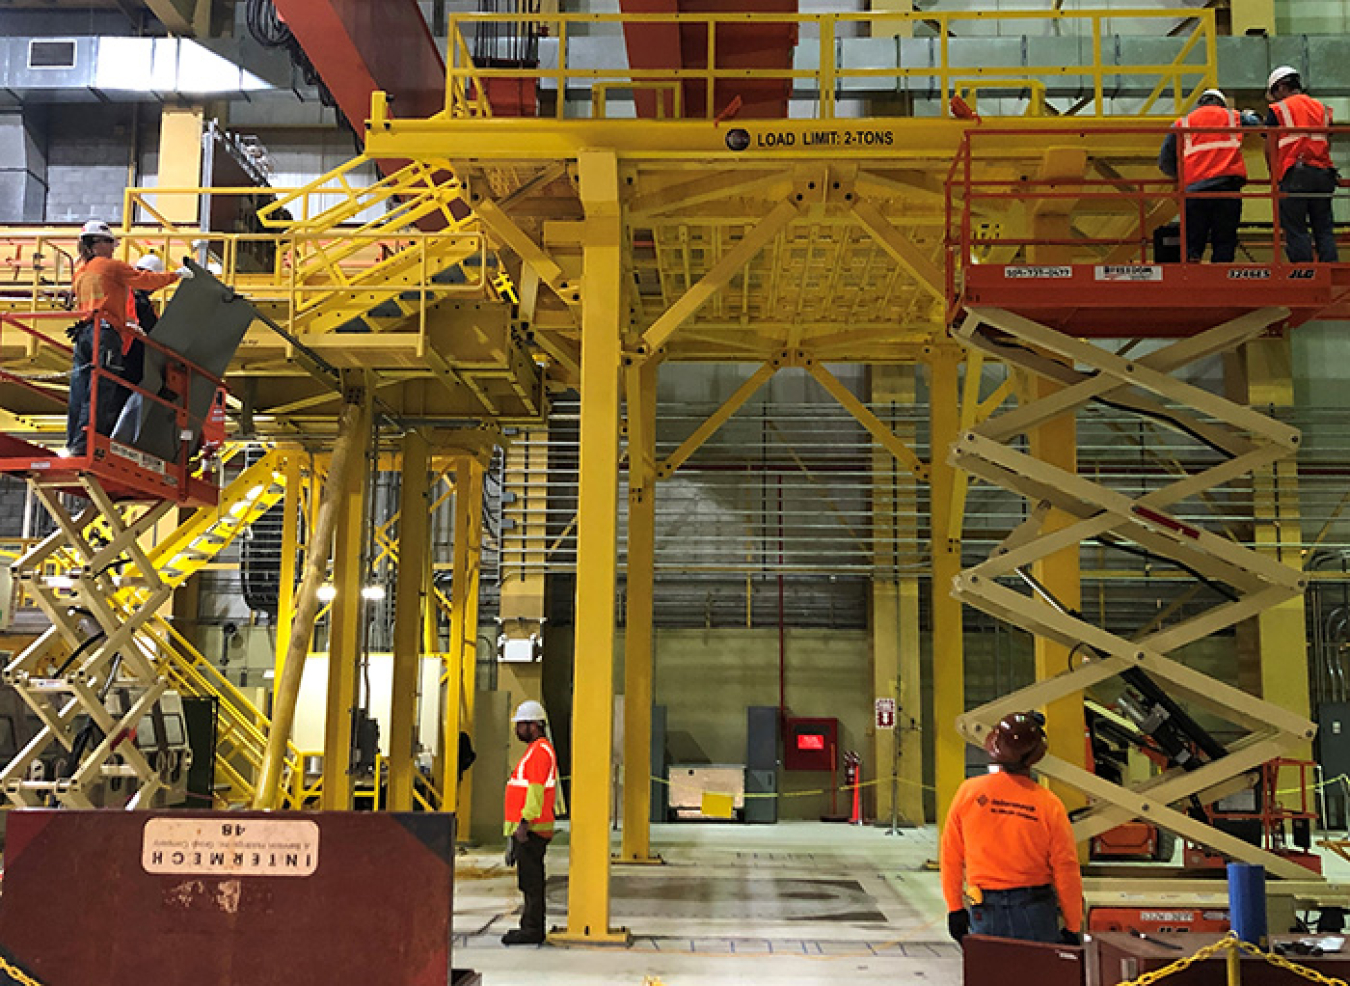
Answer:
(1009, 865)
(1300, 163)
(530, 796)
(102, 287)
(1208, 162)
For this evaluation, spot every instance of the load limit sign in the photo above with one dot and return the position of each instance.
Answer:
(885, 713)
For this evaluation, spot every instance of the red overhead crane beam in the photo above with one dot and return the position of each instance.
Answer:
(359, 47)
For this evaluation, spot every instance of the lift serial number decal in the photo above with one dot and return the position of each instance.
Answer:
(216, 847)
(740, 139)
(1129, 272)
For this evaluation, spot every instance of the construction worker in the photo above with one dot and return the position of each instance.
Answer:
(1209, 163)
(1300, 163)
(530, 795)
(1009, 866)
(101, 289)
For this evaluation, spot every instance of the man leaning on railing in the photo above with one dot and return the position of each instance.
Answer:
(1300, 163)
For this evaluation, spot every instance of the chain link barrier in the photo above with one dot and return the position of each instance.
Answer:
(1231, 943)
(14, 976)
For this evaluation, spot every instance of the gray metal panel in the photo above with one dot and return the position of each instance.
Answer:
(1050, 52)
(1244, 63)
(660, 801)
(761, 762)
(978, 52)
(856, 53)
(1333, 753)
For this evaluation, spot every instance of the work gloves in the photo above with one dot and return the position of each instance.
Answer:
(1070, 937)
(511, 852)
(185, 273)
(958, 924)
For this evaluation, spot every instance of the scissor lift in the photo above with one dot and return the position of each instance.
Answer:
(1044, 312)
(94, 579)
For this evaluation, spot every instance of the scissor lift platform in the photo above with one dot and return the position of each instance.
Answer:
(1162, 301)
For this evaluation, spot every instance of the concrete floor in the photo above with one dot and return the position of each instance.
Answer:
(797, 902)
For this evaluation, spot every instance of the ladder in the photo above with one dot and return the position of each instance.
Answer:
(1245, 441)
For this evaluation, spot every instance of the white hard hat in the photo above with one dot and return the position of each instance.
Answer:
(530, 711)
(150, 262)
(1215, 93)
(1279, 75)
(96, 227)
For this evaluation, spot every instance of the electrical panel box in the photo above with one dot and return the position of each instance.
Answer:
(810, 743)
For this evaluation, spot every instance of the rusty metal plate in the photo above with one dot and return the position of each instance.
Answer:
(294, 899)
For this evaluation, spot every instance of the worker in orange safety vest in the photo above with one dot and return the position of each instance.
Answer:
(1210, 163)
(1008, 861)
(531, 793)
(1300, 163)
(102, 336)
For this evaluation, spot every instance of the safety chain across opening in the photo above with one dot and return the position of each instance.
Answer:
(17, 975)
(1232, 943)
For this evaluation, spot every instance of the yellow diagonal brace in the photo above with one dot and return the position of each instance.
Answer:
(505, 229)
(718, 276)
(902, 248)
(717, 419)
(874, 425)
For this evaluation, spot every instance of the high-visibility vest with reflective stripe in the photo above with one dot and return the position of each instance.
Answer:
(1210, 155)
(539, 766)
(1312, 149)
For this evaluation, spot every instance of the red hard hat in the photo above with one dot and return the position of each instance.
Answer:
(1018, 740)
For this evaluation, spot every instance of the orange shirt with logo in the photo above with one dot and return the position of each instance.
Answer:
(1005, 831)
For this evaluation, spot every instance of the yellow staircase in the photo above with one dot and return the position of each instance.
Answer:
(241, 730)
(370, 277)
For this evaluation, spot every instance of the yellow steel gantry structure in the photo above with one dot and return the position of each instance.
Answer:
(586, 251)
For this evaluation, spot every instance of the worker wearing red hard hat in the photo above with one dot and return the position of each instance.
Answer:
(1008, 860)
(1300, 163)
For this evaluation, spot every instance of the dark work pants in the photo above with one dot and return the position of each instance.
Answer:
(1308, 203)
(1215, 222)
(1027, 914)
(530, 879)
(111, 395)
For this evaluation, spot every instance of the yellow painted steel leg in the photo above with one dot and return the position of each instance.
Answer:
(409, 600)
(895, 612)
(1282, 630)
(949, 685)
(1056, 443)
(604, 309)
(290, 554)
(1252, 16)
(345, 624)
(462, 650)
(638, 642)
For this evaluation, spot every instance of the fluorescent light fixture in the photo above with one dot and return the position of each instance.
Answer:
(327, 592)
(269, 674)
(374, 592)
(60, 582)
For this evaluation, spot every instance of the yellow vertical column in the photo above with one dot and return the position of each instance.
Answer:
(345, 621)
(895, 611)
(462, 654)
(1056, 443)
(638, 642)
(1281, 630)
(1252, 16)
(180, 165)
(290, 553)
(602, 316)
(409, 601)
(949, 670)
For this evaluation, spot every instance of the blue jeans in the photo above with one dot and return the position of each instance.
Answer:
(1027, 914)
(1308, 203)
(111, 395)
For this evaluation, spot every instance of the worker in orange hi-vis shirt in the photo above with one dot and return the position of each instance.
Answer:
(102, 337)
(1009, 864)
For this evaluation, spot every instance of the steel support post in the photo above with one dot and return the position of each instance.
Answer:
(346, 618)
(1056, 443)
(180, 165)
(638, 638)
(462, 651)
(1281, 630)
(290, 556)
(410, 596)
(897, 754)
(949, 670)
(603, 311)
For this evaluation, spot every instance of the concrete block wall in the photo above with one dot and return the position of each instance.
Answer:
(90, 155)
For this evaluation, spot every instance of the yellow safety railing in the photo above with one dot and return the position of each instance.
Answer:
(1190, 70)
(1232, 948)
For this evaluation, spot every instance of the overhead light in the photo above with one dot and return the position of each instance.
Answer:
(60, 582)
(373, 592)
(327, 592)
(269, 674)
